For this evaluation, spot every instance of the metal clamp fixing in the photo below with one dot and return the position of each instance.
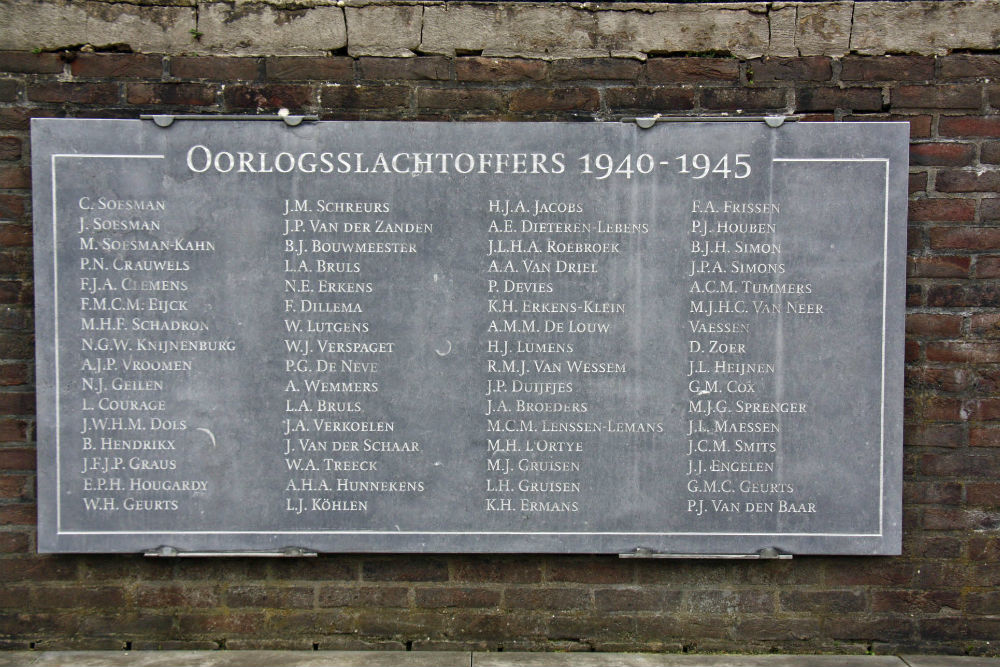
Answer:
(767, 553)
(166, 120)
(646, 122)
(173, 552)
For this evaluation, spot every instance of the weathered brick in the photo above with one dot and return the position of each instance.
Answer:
(940, 266)
(965, 238)
(219, 69)
(405, 569)
(990, 210)
(983, 409)
(729, 601)
(12, 207)
(933, 325)
(952, 296)
(872, 628)
(555, 99)
(830, 98)
(774, 629)
(969, 126)
(77, 597)
(20, 514)
(934, 435)
(918, 183)
(78, 93)
(550, 598)
(281, 597)
(814, 68)
(966, 65)
(171, 94)
(176, 595)
(9, 90)
(936, 97)
(595, 69)
(837, 602)
(950, 154)
(989, 152)
(591, 570)
(38, 568)
(983, 494)
(941, 518)
(117, 65)
(968, 181)
(501, 569)
(645, 98)
(499, 69)
(984, 325)
(13, 374)
(365, 97)
(269, 96)
(454, 596)
(743, 99)
(363, 596)
(15, 178)
(983, 465)
(887, 68)
(10, 148)
(22, 62)
(942, 210)
(432, 68)
(970, 352)
(931, 602)
(13, 430)
(692, 70)
(309, 68)
(637, 599)
(16, 487)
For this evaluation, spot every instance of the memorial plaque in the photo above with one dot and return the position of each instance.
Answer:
(474, 337)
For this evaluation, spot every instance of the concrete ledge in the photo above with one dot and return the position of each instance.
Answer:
(550, 30)
(460, 659)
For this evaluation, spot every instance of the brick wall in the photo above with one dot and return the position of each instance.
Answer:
(940, 596)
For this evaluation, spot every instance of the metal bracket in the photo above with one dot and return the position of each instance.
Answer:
(166, 120)
(172, 552)
(767, 553)
(647, 122)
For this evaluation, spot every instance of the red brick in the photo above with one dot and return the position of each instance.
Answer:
(9, 90)
(13, 542)
(17, 403)
(968, 181)
(942, 210)
(18, 515)
(13, 374)
(171, 94)
(948, 379)
(984, 325)
(13, 430)
(309, 68)
(595, 69)
(38, 568)
(22, 62)
(176, 595)
(932, 493)
(941, 266)
(637, 599)
(988, 267)
(555, 99)
(964, 66)
(432, 68)
(365, 97)
(942, 409)
(729, 601)
(641, 98)
(78, 93)
(10, 148)
(940, 518)
(813, 68)
(18, 118)
(936, 97)
(831, 98)
(984, 437)
(990, 210)
(965, 238)
(918, 183)
(15, 487)
(580, 569)
(932, 325)
(500, 569)
(934, 435)
(983, 494)
(282, 597)
(546, 598)
(210, 67)
(941, 154)
(463, 597)
(989, 152)
(923, 601)
(836, 602)
(117, 65)
(405, 569)
(12, 207)
(363, 596)
(743, 99)
(976, 353)
(79, 596)
(692, 70)
(969, 126)
(269, 96)
(984, 409)
(914, 295)
(499, 69)
(951, 296)
(887, 68)
(15, 178)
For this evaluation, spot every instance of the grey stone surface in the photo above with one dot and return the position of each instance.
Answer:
(234, 659)
(380, 30)
(667, 660)
(949, 661)
(552, 337)
(556, 30)
(250, 28)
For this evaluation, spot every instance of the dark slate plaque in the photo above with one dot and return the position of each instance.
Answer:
(476, 337)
